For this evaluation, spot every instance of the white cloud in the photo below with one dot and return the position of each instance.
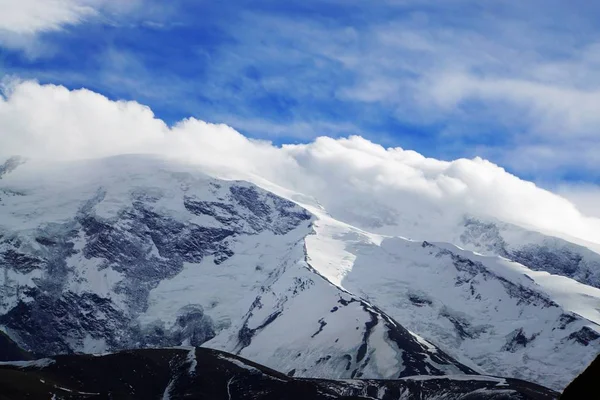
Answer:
(51, 121)
(585, 196)
(33, 16)
(355, 179)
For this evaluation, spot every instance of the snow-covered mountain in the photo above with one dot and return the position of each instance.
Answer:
(138, 251)
(496, 313)
(135, 252)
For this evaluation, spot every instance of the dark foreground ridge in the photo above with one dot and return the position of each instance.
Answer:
(585, 386)
(199, 373)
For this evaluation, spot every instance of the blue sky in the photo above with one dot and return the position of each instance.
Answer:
(515, 82)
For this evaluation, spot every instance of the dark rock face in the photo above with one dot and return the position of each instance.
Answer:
(419, 299)
(199, 373)
(23, 262)
(10, 351)
(550, 254)
(566, 319)
(462, 326)
(516, 340)
(562, 260)
(470, 269)
(47, 324)
(584, 336)
(10, 165)
(256, 211)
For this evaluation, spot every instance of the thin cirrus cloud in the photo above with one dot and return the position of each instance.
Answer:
(504, 81)
(22, 21)
(346, 175)
(535, 87)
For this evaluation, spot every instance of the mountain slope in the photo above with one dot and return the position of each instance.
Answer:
(500, 315)
(209, 374)
(537, 248)
(135, 252)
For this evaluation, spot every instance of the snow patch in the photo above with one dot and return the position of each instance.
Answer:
(191, 359)
(41, 363)
(482, 378)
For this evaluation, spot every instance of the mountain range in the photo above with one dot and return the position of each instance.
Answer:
(137, 252)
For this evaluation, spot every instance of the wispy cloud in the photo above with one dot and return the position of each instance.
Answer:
(23, 22)
(33, 16)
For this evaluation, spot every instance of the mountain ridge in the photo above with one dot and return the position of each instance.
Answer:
(202, 373)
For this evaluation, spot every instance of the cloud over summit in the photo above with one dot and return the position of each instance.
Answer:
(356, 180)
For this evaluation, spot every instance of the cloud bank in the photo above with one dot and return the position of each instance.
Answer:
(356, 180)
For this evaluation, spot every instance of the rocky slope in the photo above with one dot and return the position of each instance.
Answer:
(208, 374)
(535, 250)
